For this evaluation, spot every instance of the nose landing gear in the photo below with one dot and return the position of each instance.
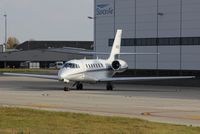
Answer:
(79, 86)
(66, 88)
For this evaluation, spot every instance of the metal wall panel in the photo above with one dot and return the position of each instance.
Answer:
(146, 61)
(190, 57)
(154, 19)
(169, 18)
(191, 18)
(146, 19)
(104, 24)
(124, 17)
(169, 57)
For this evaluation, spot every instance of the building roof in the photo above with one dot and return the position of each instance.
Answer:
(42, 55)
(30, 45)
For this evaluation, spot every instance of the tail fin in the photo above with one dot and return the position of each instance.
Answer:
(116, 46)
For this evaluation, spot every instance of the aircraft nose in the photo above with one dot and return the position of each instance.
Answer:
(61, 74)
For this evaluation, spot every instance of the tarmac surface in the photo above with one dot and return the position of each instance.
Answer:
(169, 104)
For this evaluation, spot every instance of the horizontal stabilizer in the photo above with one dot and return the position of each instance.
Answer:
(102, 53)
(87, 52)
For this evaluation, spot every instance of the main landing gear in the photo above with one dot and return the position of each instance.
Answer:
(79, 86)
(109, 86)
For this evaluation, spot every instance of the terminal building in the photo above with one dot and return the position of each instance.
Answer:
(168, 27)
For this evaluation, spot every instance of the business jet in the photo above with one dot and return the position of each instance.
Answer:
(97, 70)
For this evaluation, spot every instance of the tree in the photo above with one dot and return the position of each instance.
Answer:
(12, 42)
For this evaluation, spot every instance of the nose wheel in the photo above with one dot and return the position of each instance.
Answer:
(66, 88)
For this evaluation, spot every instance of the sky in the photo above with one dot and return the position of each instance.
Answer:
(60, 20)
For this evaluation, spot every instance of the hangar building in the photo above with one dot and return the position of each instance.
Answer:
(168, 27)
(43, 53)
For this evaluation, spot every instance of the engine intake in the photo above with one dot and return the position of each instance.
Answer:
(116, 65)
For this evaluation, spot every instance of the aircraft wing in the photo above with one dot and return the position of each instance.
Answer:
(54, 77)
(143, 78)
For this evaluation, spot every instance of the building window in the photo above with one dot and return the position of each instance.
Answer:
(172, 41)
(132, 42)
(196, 41)
(110, 42)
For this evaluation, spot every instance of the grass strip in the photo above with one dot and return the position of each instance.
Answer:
(25, 121)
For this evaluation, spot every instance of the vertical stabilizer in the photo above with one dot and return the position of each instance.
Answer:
(116, 46)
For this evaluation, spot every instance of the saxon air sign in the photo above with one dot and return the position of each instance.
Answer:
(104, 10)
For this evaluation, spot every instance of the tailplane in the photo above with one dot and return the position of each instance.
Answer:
(116, 46)
(115, 52)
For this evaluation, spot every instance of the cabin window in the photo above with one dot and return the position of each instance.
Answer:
(71, 65)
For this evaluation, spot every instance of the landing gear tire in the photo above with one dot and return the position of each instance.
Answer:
(79, 86)
(66, 89)
(109, 87)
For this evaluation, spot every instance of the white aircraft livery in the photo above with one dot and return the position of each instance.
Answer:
(97, 70)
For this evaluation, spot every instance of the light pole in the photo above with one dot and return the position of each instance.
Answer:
(5, 15)
(94, 44)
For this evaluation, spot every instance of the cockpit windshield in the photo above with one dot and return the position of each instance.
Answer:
(71, 65)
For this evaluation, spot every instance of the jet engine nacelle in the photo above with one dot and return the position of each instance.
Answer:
(119, 65)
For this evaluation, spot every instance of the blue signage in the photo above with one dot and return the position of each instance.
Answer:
(104, 9)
